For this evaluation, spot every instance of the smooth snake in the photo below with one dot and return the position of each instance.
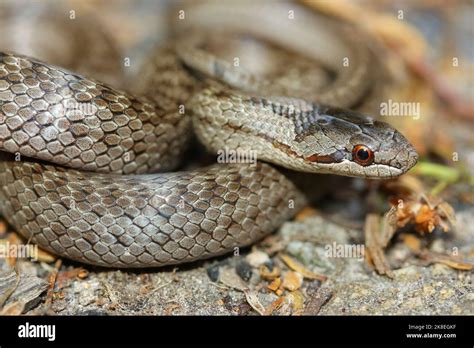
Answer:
(86, 170)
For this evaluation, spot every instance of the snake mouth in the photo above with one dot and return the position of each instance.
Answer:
(412, 160)
(396, 168)
(408, 164)
(406, 158)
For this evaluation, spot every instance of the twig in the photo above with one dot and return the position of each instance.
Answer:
(52, 282)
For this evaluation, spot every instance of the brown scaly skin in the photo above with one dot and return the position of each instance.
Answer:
(78, 169)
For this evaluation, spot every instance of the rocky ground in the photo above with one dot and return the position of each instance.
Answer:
(295, 258)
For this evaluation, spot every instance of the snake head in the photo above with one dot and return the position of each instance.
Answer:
(344, 142)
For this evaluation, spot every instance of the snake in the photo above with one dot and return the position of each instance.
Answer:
(93, 174)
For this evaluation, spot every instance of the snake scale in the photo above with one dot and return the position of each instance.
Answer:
(86, 171)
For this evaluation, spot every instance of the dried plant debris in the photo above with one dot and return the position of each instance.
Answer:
(229, 277)
(426, 213)
(253, 300)
(298, 267)
(416, 212)
(375, 245)
(292, 304)
(8, 283)
(274, 306)
(454, 262)
(318, 300)
(20, 292)
(275, 286)
(270, 286)
(292, 281)
(269, 272)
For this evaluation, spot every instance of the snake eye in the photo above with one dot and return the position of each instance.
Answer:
(362, 155)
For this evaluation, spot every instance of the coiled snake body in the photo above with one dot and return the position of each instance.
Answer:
(85, 170)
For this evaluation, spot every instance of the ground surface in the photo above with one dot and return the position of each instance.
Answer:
(351, 288)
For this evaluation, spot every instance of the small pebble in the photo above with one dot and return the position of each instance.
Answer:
(257, 258)
(438, 246)
(244, 270)
(313, 287)
(213, 272)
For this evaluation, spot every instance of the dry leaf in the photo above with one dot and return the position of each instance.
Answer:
(450, 261)
(389, 227)
(230, 278)
(296, 300)
(375, 255)
(298, 267)
(254, 302)
(275, 284)
(274, 305)
(425, 219)
(424, 212)
(79, 272)
(266, 274)
(317, 301)
(292, 281)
